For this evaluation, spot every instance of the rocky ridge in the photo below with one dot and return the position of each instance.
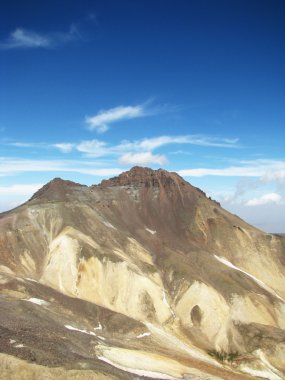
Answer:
(142, 268)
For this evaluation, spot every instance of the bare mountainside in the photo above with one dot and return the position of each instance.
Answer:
(141, 276)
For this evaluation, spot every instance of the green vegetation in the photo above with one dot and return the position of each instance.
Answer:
(223, 356)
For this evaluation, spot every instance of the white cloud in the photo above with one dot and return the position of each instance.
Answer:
(147, 145)
(144, 158)
(12, 166)
(98, 148)
(157, 142)
(224, 172)
(26, 39)
(20, 189)
(64, 147)
(93, 148)
(101, 121)
(265, 199)
(277, 176)
(16, 194)
(23, 144)
(254, 168)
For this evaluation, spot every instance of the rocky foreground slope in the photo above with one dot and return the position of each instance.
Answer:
(141, 276)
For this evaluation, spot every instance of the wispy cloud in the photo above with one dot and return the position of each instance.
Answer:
(254, 168)
(13, 166)
(64, 147)
(277, 176)
(27, 39)
(232, 171)
(94, 148)
(98, 148)
(100, 122)
(20, 189)
(13, 195)
(265, 199)
(140, 152)
(23, 144)
(201, 140)
(145, 158)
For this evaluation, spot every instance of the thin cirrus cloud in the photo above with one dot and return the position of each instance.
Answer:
(201, 140)
(13, 166)
(20, 189)
(144, 158)
(98, 148)
(64, 147)
(101, 122)
(27, 39)
(264, 169)
(140, 152)
(137, 152)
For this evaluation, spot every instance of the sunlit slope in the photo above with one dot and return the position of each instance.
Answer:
(207, 288)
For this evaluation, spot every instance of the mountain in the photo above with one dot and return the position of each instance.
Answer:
(141, 276)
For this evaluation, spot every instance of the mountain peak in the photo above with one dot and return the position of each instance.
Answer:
(143, 176)
(56, 188)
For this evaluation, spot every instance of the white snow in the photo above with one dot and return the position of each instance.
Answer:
(12, 341)
(79, 330)
(19, 346)
(101, 337)
(166, 303)
(259, 282)
(150, 231)
(30, 279)
(38, 301)
(265, 374)
(260, 354)
(143, 335)
(140, 372)
(107, 224)
(99, 327)
(173, 340)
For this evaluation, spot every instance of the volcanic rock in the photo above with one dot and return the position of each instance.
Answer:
(139, 276)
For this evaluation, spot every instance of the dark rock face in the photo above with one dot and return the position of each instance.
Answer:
(56, 189)
(139, 176)
(142, 266)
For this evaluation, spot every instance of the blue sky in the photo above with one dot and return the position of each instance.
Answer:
(92, 88)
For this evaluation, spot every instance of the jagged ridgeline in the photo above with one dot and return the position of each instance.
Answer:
(139, 276)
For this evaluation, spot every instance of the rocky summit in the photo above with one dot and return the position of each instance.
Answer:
(140, 277)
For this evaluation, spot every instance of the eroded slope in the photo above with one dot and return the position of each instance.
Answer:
(206, 288)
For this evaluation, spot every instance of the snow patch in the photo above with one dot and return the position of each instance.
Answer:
(30, 279)
(38, 301)
(143, 335)
(140, 372)
(173, 340)
(259, 282)
(150, 231)
(19, 346)
(79, 330)
(264, 360)
(99, 327)
(265, 374)
(107, 224)
(164, 300)
(101, 337)
(12, 341)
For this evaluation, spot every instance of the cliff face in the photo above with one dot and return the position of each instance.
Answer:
(142, 274)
